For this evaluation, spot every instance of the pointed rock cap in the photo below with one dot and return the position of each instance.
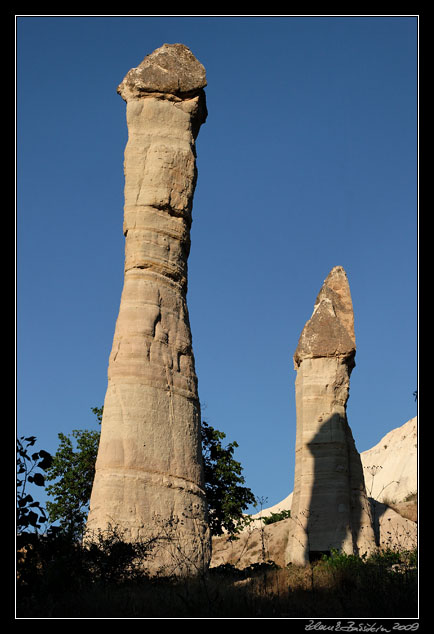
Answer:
(171, 69)
(330, 330)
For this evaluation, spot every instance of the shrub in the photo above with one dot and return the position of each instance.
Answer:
(276, 517)
(56, 563)
(30, 514)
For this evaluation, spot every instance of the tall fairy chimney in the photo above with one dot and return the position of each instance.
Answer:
(149, 471)
(330, 509)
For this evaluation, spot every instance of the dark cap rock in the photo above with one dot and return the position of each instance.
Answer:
(171, 69)
(330, 330)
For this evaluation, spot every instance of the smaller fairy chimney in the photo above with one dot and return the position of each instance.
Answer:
(330, 509)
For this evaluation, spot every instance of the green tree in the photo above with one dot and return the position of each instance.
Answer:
(224, 483)
(73, 470)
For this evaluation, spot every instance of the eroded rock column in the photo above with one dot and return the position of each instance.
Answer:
(330, 508)
(149, 473)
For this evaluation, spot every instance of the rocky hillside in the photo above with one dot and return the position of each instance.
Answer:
(391, 466)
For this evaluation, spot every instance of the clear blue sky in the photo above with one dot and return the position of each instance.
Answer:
(308, 160)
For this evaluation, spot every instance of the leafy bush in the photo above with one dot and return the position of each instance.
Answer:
(30, 514)
(56, 564)
(276, 517)
(394, 559)
(338, 559)
(377, 563)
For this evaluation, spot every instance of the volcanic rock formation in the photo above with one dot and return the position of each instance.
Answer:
(329, 506)
(394, 457)
(390, 466)
(149, 471)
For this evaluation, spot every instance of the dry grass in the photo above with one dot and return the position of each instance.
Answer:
(316, 591)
